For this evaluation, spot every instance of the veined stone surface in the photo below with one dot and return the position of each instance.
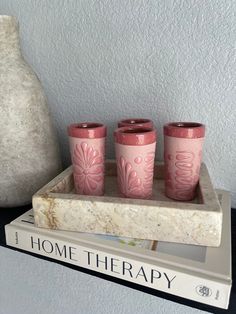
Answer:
(29, 154)
(57, 207)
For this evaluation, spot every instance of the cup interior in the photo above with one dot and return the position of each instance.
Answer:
(136, 121)
(186, 125)
(88, 125)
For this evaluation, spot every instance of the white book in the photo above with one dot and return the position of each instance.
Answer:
(198, 273)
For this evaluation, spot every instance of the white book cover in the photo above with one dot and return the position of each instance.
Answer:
(198, 273)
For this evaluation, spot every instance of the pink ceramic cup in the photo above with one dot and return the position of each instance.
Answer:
(135, 155)
(136, 122)
(87, 148)
(183, 143)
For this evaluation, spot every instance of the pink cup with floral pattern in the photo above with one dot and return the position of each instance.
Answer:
(183, 143)
(136, 122)
(87, 148)
(135, 155)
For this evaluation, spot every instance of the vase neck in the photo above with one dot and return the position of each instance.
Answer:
(9, 37)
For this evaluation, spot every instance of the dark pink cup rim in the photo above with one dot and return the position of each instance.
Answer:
(136, 122)
(87, 130)
(184, 129)
(138, 135)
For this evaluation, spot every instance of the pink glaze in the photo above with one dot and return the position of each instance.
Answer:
(136, 122)
(135, 161)
(184, 129)
(137, 135)
(87, 148)
(87, 130)
(183, 143)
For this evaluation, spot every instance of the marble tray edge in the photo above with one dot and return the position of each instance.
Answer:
(206, 191)
(66, 211)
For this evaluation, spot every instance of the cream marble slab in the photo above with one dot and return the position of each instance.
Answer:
(56, 206)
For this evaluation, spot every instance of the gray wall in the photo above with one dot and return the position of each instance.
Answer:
(168, 60)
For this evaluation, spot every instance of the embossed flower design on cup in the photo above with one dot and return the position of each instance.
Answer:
(183, 142)
(135, 154)
(88, 168)
(87, 146)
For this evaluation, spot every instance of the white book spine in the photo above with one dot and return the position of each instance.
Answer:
(190, 286)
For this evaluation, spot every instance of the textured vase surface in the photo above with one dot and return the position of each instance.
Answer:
(29, 154)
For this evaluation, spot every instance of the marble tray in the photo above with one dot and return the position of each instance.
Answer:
(199, 222)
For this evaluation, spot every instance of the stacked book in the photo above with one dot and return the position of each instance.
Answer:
(196, 272)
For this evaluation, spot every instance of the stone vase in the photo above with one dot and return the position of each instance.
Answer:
(29, 154)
